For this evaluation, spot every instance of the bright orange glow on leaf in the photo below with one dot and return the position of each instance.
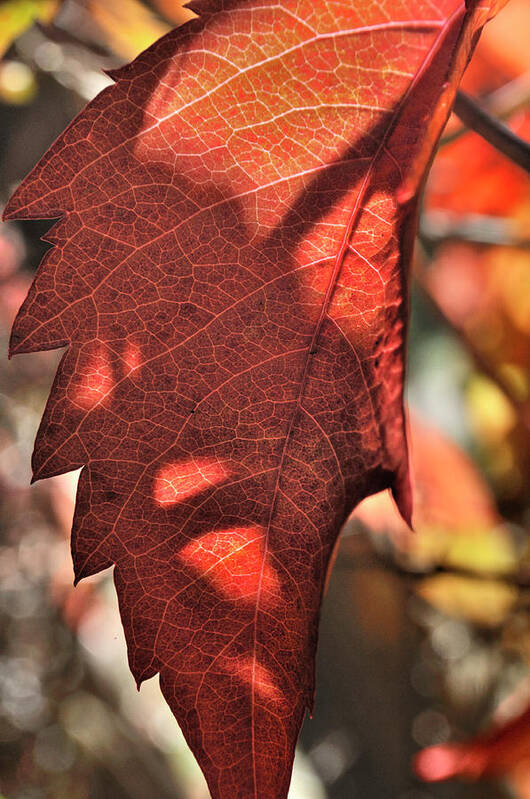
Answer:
(235, 562)
(94, 381)
(132, 357)
(182, 480)
(256, 675)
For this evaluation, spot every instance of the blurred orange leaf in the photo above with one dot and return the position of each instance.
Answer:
(469, 176)
(127, 26)
(174, 11)
(503, 51)
(455, 518)
(502, 751)
(486, 293)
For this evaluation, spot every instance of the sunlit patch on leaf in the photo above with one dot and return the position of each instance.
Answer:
(235, 562)
(94, 380)
(257, 677)
(182, 480)
(132, 357)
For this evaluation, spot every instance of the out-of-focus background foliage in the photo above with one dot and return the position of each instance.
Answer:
(425, 639)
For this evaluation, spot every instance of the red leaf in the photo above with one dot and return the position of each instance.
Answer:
(229, 275)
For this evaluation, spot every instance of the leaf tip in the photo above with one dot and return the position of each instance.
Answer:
(8, 213)
(80, 570)
(14, 205)
(38, 466)
(113, 74)
(39, 472)
(402, 494)
(14, 343)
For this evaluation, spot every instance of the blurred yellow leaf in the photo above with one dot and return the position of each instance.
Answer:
(517, 378)
(492, 415)
(174, 10)
(491, 552)
(127, 26)
(483, 602)
(512, 278)
(488, 551)
(17, 15)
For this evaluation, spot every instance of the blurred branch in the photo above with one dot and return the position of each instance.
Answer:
(502, 103)
(61, 35)
(512, 97)
(388, 561)
(438, 225)
(361, 554)
(493, 130)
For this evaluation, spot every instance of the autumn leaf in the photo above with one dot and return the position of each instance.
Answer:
(229, 276)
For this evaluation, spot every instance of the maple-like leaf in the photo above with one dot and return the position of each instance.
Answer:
(228, 275)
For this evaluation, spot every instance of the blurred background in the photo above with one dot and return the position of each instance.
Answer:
(425, 640)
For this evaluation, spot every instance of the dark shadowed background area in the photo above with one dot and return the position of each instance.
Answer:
(424, 640)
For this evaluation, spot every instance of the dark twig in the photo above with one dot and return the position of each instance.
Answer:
(63, 36)
(493, 130)
(502, 103)
(359, 553)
